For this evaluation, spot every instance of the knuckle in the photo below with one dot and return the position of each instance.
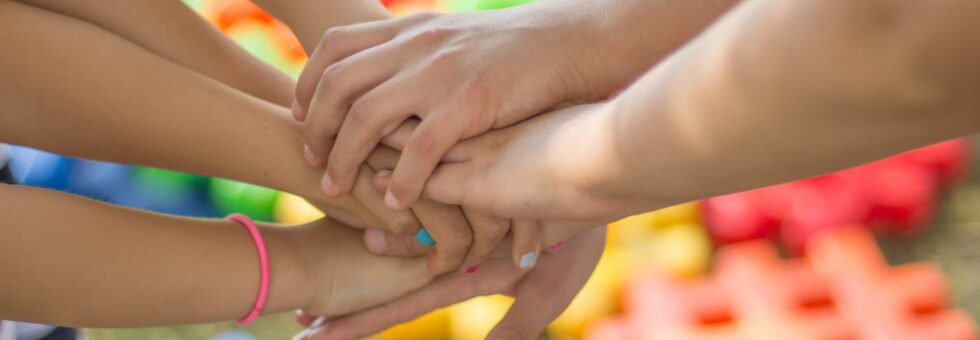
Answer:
(486, 236)
(474, 86)
(333, 72)
(401, 224)
(425, 143)
(421, 16)
(333, 36)
(446, 60)
(435, 33)
(361, 111)
(461, 239)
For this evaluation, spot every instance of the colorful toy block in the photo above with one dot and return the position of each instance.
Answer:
(896, 195)
(291, 210)
(843, 289)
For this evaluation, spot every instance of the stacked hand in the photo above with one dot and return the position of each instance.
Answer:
(456, 95)
(540, 295)
(435, 80)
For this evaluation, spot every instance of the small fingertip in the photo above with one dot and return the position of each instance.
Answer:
(310, 157)
(424, 238)
(391, 201)
(298, 113)
(383, 173)
(381, 179)
(327, 184)
(375, 241)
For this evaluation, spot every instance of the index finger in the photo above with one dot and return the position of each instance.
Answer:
(337, 43)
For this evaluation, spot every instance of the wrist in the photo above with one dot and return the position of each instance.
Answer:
(292, 282)
(611, 165)
(596, 168)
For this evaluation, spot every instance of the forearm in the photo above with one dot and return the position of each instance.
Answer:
(636, 33)
(173, 31)
(783, 91)
(71, 88)
(76, 262)
(309, 19)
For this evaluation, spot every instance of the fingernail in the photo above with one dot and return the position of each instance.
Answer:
(391, 201)
(310, 158)
(472, 269)
(298, 113)
(318, 326)
(383, 173)
(319, 322)
(557, 246)
(424, 238)
(375, 240)
(528, 260)
(327, 183)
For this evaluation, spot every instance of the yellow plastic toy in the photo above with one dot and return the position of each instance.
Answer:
(292, 210)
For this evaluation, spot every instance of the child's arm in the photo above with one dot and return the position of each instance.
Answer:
(71, 88)
(135, 107)
(775, 91)
(73, 261)
(170, 29)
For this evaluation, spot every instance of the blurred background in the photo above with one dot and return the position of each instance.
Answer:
(794, 259)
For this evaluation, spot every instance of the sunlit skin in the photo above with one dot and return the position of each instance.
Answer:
(64, 95)
(742, 106)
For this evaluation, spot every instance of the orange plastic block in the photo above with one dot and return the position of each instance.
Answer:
(883, 302)
(843, 290)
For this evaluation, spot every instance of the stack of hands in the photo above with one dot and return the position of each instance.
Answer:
(506, 136)
(428, 119)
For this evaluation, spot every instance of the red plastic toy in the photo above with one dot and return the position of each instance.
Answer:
(896, 195)
(843, 289)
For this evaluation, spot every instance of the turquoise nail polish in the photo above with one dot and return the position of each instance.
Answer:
(424, 238)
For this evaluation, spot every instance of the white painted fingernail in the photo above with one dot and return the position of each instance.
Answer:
(327, 183)
(318, 325)
(308, 154)
(318, 322)
(391, 201)
(528, 260)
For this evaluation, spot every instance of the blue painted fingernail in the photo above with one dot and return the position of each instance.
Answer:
(424, 238)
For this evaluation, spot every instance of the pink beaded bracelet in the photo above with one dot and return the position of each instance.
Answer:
(253, 230)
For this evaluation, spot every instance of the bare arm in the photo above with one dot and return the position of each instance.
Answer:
(781, 91)
(173, 31)
(73, 89)
(774, 91)
(72, 261)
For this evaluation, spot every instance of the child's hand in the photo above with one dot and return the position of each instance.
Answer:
(346, 277)
(540, 295)
(466, 243)
(461, 74)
